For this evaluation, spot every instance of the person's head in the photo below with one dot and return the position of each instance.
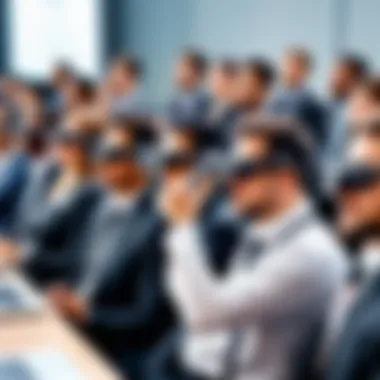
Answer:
(296, 67)
(254, 83)
(271, 177)
(62, 75)
(177, 167)
(359, 202)
(348, 71)
(364, 145)
(364, 104)
(73, 151)
(122, 131)
(222, 80)
(120, 169)
(183, 138)
(78, 93)
(7, 134)
(191, 70)
(125, 75)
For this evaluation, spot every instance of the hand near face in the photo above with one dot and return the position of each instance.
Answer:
(182, 202)
(9, 254)
(69, 304)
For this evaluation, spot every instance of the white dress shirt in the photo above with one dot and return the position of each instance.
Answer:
(274, 299)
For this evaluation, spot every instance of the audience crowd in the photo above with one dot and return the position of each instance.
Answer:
(233, 235)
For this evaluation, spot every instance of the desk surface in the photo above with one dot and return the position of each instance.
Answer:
(47, 330)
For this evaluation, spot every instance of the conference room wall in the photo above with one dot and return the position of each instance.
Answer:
(156, 30)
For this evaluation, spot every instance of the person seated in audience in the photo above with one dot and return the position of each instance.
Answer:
(357, 316)
(263, 319)
(191, 102)
(121, 131)
(249, 143)
(62, 76)
(221, 114)
(348, 73)
(364, 104)
(119, 300)
(49, 247)
(295, 97)
(254, 85)
(32, 113)
(77, 94)
(124, 87)
(14, 167)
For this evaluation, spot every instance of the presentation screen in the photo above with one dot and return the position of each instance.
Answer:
(43, 32)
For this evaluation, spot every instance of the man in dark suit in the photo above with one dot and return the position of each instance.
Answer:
(13, 172)
(254, 85)
(356, 356)
(221, 113)
(53, 214)
(295, 99)
(118, 299)
(191, 102)
(124, 86)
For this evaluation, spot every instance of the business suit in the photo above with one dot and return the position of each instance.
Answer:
(303, 105)
(14, 169)
(273, 299)
(191, 107)
(129, 312)
(357, 353)
(41, 176)
(55, 233)
(219, 124)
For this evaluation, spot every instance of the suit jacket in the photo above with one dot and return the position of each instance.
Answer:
(129, 310)
(14, 174)
(40, 178)
(303, 105)
(189, 108)
(55, 235)
(220, 125)
(357, 355)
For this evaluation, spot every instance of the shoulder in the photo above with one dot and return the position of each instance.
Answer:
(318, 243)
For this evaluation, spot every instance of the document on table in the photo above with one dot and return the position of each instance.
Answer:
(41, 365)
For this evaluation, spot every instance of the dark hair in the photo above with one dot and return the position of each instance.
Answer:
(357, 65)
(131, 65)
(228, 66)
(263, 69)
(288, 137)
(197, 60)
(302, 55)
(372, 87)
(86, 89)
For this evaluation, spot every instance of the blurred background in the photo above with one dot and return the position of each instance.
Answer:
(89, 33)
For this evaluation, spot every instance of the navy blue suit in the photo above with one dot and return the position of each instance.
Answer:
(304, 106)
(13, 178)
(129, 312)
(189, 108)
(55, 234)
(357, 356)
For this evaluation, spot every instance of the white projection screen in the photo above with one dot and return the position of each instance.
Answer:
(44, 32)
